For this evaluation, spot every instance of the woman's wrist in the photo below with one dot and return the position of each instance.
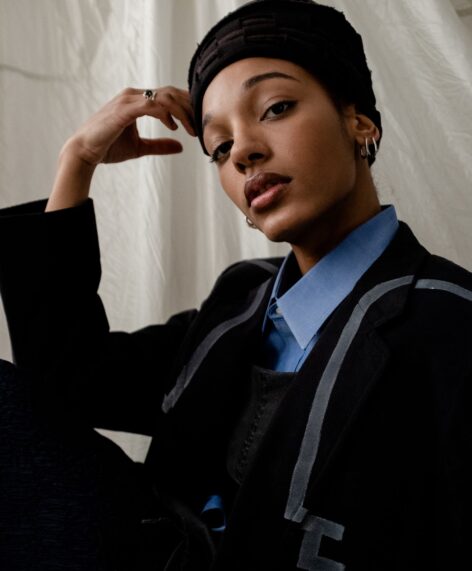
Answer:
(73, 179)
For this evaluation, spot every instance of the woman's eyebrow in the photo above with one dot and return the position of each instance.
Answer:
(251, 82)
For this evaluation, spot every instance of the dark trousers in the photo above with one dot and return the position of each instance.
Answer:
(69, 498)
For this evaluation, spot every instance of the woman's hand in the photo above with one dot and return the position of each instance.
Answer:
(111, 136)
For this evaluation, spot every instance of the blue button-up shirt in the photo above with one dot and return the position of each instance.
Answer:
(300, 305)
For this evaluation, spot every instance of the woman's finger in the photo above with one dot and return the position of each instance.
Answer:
(166, 104)
(180, 107)
(162, 146)
(165, 116)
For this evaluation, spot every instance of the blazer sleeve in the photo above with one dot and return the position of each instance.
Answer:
(49, 277)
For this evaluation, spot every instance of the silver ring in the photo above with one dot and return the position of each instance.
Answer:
(149, 94)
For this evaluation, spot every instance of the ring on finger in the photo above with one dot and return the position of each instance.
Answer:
(149, 94)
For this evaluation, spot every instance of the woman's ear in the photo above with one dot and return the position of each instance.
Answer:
(363, 128)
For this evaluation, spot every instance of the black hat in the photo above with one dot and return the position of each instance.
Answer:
(316, 37)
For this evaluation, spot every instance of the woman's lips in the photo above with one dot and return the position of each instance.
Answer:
(263, 188)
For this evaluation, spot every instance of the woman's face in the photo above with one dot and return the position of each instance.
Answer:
(284, 154)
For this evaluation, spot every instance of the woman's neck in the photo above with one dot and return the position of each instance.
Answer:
(332, 228)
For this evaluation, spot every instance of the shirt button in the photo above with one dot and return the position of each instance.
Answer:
(278, 311)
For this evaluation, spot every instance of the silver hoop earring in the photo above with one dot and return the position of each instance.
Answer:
(373, 152)
(367, 150)
(250, 223)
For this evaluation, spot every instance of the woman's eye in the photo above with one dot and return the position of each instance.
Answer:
(278, 109)
(221, 151)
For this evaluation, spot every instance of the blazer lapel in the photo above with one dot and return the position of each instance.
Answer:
(356, 357)
(244, 324)
(202, 407)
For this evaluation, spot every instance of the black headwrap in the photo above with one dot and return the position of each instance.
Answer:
(316, 37)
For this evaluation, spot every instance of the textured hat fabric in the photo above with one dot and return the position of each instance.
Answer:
(316, 37)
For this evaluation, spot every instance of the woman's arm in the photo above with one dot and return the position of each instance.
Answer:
(50, 273)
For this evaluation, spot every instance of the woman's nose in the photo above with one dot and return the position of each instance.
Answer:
(245, 152)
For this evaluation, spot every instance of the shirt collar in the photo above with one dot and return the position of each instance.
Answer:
(306, 304)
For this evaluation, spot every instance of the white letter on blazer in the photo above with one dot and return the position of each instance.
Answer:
(315, 528)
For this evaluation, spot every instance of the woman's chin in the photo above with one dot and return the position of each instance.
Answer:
(276, 232)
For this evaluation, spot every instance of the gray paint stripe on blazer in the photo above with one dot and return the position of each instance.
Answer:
(445, 286)
(202, 350)
(295, 511)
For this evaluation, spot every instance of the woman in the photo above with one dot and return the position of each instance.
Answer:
(312, 414)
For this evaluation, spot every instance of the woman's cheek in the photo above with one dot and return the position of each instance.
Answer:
(230, 186)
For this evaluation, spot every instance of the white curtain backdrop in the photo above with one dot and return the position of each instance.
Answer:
(166, 228)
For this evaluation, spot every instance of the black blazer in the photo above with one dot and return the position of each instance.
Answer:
(365, 466)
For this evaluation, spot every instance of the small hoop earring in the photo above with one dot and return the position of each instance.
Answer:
(373, 152)
(250, 223)
(367, 150)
